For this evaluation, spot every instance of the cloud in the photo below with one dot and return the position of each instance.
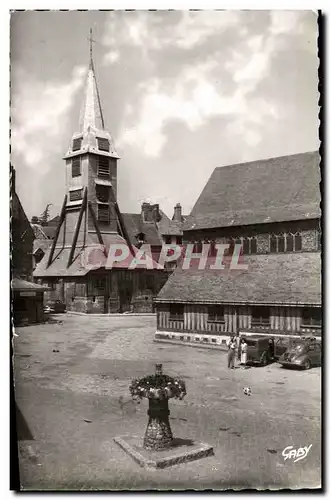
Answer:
(158, 30)
(39, 115)
(111, 57)
(196, 93)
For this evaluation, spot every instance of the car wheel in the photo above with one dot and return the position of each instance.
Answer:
(306, 365)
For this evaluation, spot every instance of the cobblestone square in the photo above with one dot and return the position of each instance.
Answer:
(71, 383)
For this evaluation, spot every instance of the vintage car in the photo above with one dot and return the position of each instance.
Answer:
(54, 306)
(260, 349)
(305, 353)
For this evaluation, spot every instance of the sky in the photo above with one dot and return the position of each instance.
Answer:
(182, 93)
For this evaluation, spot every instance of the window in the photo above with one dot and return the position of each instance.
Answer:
(260, 316)
(179, 240)
(102, 193)
(311, 316)
(75, 167)
(75, 195)
(197, 247)
(103, 167)
(250, 245)
(212, 249)
(103, 213)
(273, 243)
(253, 242)
(176, 312)
(77, 144)
(103, 144)
(281, 243)
(167, 240)
(216, 314)
(297, 242)
(289, 243)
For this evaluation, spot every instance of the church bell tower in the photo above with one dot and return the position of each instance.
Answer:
(91, 162)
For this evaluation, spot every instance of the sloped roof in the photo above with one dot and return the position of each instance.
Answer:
(270, 279)
(134, 225)
(272, 190)
(170, 227)
(50, 231)
(22, 285)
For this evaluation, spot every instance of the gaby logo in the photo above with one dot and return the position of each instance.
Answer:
(299, 454)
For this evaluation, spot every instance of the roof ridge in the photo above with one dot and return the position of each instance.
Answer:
(241, 164)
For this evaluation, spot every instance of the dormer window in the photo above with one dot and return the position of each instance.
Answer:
(75, 167)
(77, 144)
(103, 167)
(103, 144)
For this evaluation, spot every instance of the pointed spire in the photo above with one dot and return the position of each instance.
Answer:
(91, 112)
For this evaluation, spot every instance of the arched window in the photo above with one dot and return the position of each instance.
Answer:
(297, 242)
(289, 242)
(273, 243)
(253, 242)
(281, 243)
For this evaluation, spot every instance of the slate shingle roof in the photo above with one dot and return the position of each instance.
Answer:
(270, 279)
(134, 225)
(272, 190)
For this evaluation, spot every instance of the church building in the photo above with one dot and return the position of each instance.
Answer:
(91, 219)
(271, 210)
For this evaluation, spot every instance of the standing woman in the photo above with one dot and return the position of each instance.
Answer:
(231, 352)
(243, 350)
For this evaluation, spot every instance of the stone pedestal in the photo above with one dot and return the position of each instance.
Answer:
(158, 435)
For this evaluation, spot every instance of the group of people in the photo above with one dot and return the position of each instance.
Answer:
(237, 347)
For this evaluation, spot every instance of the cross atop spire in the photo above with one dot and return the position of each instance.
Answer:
(90, 39)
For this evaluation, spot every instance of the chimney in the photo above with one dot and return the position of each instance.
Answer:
(178, 213)
(150, 213)
(146, 212)
(156, 212)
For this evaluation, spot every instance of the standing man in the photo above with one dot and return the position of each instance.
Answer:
(231, 343)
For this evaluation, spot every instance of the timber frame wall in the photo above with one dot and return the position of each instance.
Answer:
(195, 320)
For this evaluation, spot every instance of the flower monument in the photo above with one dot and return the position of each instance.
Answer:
(158, 388)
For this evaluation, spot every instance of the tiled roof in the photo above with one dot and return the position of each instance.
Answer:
(274, 278)
(272, 190)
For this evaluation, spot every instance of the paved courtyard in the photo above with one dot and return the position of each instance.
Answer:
(71, 401)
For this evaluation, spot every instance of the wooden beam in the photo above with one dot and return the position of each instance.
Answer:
(95, 222)
(62, 216)
(77, 228)
(121, 221)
